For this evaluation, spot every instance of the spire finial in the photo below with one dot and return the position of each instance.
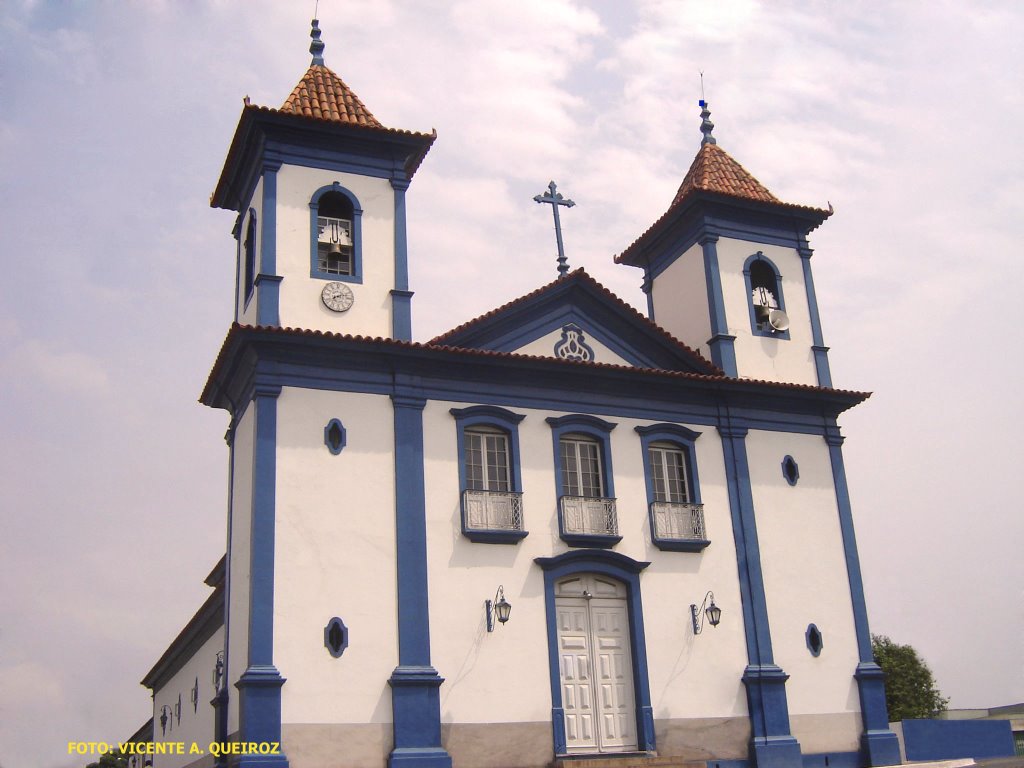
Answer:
(317, 46)
(706, 126)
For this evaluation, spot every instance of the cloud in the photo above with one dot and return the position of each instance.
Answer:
(59, 371)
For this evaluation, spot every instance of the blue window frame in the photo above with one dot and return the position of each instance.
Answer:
(584, 484)
(335, 235)
(490, 480)
(675, 511)
(764, 295)
(249, 254)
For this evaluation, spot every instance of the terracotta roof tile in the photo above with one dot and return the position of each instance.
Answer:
(583, 276)
(713, 170)
(238, 329)
(322, 94)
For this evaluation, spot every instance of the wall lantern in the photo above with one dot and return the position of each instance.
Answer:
(218, 671)
(165, 715)
(499, 607)
(712, 612)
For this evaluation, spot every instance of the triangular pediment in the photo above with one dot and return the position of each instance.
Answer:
(576, 318)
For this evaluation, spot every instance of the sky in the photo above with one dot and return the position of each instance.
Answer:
(115, 118)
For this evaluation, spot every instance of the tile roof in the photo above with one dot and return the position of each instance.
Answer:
(239, 330)
(713, 170)
(579, 275)
(322, 94)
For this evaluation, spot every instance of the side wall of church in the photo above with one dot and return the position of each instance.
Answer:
(335, 557)
(680, 299)
(239, 559)
(806, 583)
(194, 727)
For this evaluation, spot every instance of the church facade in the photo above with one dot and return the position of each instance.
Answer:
(562, 530)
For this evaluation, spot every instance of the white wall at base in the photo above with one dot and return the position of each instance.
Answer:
(804, 566)
(335, 556)
(763, 357)
(504, 676)
(680, 298)
(545, 347)
(301, 306)
(196, 724)
(239, 559)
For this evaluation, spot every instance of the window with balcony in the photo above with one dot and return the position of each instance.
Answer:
(489, 476)
(587, 515)
(673, 496)
(335, 235)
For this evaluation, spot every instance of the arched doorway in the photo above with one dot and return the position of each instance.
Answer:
(595, 664)
(600, 695)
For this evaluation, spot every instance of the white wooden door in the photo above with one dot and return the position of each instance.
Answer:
(595, 668)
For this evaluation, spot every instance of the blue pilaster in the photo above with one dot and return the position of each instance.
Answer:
(772, 744)
(415, 695)
(722, 344)
(879, 744)
(818, 347)
(401, 296)
(259, 687)
(268, 283)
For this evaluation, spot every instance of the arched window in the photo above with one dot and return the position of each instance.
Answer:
(489, 476)
(764, 293)
(673, 491)
(587, 514)
(249, 250)
(335, 234)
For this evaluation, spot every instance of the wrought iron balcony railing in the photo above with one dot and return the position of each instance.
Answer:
(589, 516)
(677, 521)
(492, 510)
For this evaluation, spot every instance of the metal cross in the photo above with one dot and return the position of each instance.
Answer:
(554, 199)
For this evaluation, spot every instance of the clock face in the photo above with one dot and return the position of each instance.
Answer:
(337, 297)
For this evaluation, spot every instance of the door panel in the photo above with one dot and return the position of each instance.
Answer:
(593, 639)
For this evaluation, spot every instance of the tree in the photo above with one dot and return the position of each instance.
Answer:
(111, 760)
(910, 690)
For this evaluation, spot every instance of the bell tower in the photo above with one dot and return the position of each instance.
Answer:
(727, 270)
(319, 188)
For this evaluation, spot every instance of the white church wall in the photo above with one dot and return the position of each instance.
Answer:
(804, 567)
(545, 347)
(239, 559)
(681, 663)
(301, 307)
(763, 357)
(247, 310)
(681, 300)
(335, 556)
(194, 730)
(503, 677)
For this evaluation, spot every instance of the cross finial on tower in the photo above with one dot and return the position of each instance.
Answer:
(317, 46)
(706, 126)
(554, 199)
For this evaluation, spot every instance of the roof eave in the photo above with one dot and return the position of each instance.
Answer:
(238, 354)
(254, 123)
(635, 255)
